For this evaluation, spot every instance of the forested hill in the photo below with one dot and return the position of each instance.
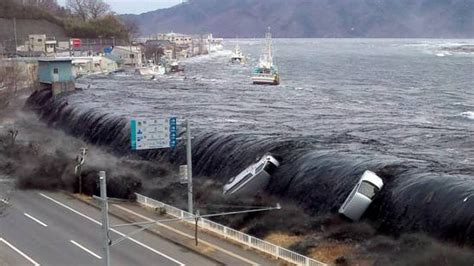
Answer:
(315, 18)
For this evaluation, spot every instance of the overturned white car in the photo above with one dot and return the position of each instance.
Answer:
(361, 196)
(254, 178)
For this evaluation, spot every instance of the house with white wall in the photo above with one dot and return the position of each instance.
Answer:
(129, 55)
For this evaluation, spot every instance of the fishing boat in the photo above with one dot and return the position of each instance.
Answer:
(151, 70)
(174, 67)
(266, 72)
(237, 56)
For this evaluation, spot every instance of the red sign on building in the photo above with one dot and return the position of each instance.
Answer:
(76, 43)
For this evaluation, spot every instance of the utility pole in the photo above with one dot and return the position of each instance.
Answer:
(105, 217)
(16, 40)
(196, 220)
(78, 169)
(190, 167)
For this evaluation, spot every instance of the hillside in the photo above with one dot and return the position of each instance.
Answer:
(315, 18)
(29, 26)
(29, 20)
(58, 22)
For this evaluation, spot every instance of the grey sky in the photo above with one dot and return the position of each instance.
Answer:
(136, 6)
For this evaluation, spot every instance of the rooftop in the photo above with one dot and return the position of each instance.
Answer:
(55, 59)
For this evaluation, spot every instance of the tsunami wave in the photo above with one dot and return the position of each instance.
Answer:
(415, 197)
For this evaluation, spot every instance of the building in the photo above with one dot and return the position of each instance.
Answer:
(93, 65)
(50, 46)
(158, 49)
(128, 55)
(55, 70)
(37, 43)
(182, 51)
(176, 38)
(214, 44)
(56, 74)
(179, 46)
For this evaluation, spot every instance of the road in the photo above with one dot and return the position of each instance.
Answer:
(41, 228)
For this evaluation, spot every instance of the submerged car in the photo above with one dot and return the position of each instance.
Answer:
(253, 178)
(361, 196)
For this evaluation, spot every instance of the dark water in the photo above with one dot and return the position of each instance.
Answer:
(402, 108)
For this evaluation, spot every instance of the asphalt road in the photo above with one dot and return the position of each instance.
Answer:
(55, 229)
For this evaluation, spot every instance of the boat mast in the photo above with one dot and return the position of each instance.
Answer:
(268, 48)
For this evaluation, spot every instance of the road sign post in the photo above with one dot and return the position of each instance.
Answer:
(190, 167)
(105, 217)
(149, 134)
(183, 174)
(162, 133)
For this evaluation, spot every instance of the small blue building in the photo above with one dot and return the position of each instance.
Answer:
(56, 74)
(55, 70)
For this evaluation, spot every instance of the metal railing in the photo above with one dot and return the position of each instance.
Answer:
(229, 233)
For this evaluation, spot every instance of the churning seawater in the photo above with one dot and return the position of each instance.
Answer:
(402, 108)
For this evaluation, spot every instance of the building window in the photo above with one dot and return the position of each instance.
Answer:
(55, 71)
(132, 56)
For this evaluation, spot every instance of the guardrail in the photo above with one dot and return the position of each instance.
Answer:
(229, 233)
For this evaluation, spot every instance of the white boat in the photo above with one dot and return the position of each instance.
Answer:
(237, 56)
(150, 70)
(266, 72)
(254, 178)
(174, 66)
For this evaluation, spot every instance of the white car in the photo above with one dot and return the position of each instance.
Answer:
(254, 178)
(361, 196)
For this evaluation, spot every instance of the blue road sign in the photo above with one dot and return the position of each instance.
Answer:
(153, 133)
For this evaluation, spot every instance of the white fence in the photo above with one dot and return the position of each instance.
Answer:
(226, 232)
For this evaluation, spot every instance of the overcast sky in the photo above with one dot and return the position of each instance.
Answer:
(136, 6)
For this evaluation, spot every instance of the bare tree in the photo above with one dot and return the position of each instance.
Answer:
(97, 8)
(50, 5)
(131, 28)
(10, 75)
(4, 93)
(88, 9)
(77, 7)
(153, 52)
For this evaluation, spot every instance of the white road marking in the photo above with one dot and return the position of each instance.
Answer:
(189, 236)
(19, 252)
(34, 219)
(86, 250)
(113, 230)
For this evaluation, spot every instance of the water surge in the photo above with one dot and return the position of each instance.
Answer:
(416, 196)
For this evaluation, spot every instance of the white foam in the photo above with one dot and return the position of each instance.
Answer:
(468, 115)
(206, 57)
